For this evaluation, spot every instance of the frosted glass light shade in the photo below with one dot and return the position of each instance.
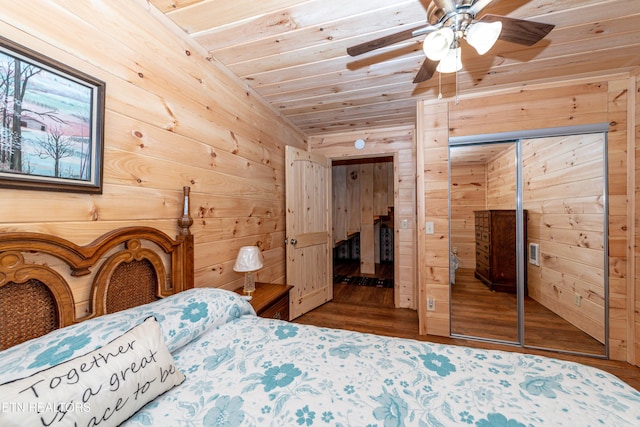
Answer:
(436, 44)
(452, 62)
(249, 259)
(483, 35)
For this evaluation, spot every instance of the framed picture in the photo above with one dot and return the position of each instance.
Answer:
(52, 124)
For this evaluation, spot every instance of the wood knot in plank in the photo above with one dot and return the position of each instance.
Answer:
(94, 214)
(620, 95)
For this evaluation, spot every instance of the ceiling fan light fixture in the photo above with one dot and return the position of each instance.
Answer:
(483, 35)
(452, 62)
(436, 44)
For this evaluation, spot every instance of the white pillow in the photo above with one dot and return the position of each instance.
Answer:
(104, 387)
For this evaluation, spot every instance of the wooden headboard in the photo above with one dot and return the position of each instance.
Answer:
(126, 267)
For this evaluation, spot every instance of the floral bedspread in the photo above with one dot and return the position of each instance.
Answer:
(242, 370)
(259, 372)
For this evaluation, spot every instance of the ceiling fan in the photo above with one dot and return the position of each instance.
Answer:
(453, 20)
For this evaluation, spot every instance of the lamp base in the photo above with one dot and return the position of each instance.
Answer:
(249, 284)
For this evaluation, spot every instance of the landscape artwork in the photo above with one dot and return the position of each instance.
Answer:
(51, 124)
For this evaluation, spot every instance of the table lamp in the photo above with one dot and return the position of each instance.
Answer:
(248, 261)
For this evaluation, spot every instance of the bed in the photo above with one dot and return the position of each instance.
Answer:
(201, 357)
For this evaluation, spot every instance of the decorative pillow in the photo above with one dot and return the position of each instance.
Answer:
(182, 317)
(103, 387)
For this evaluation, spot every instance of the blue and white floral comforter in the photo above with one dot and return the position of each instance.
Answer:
(244, 370)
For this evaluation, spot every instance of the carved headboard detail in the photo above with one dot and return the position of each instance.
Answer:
(126, 267)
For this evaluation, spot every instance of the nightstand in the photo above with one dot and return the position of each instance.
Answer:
(270, 300)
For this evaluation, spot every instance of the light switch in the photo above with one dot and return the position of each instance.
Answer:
(431, 304)
(405, 223)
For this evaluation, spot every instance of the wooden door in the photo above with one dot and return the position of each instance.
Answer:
(309, 248)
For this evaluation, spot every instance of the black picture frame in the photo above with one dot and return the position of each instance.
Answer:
(51, 123)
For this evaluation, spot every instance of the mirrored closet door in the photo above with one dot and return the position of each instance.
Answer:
(528, 241)
(483, 268)
(564, 194)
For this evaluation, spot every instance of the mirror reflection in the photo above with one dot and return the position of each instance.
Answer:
(563, 193)
(562, 242)
(483, 241)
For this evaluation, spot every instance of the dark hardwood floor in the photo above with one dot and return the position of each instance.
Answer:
(473, 314)
(384, 270)
(370, 310)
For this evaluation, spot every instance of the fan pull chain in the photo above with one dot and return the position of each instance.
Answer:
(456, 79)
(456, 88)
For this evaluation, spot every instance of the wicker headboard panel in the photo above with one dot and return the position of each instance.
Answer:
(126, 267)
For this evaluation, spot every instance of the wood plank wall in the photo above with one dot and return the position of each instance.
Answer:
(367, 238)
(353, 194)
(501, 180)
(544, 106)
(343, 206)
(382, 188)
(173, 118)
(633, 207)
(433, 199)
(468, 194)
(400, 143)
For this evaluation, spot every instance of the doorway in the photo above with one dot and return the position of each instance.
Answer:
(364, 228)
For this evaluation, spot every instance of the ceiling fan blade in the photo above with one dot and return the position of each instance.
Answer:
(383, 41)
(426, 71)
(478, 6)
(520, 31)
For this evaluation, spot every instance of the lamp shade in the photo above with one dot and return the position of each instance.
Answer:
(452, 62)
(249, 259)
(483, 35)
(436, 44)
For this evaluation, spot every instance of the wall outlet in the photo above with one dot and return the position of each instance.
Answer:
(428, 227)
(577, 299)
(431, 304)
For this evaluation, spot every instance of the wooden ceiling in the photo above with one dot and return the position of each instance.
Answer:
(293, 53)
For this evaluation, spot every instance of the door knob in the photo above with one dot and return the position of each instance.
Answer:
(293, 241)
